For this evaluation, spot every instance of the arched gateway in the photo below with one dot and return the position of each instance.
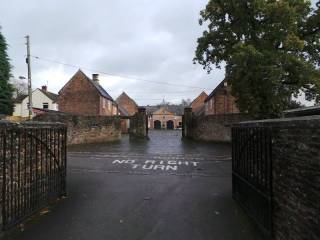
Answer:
(157, 124)
(170, 125)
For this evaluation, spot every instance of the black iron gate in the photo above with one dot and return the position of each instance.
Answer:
(252, 174)
(33, 168)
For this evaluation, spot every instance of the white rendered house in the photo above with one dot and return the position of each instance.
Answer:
(41, 99)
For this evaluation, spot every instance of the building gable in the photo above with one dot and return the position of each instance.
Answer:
(162, 111)
(198, 102)
(127, 104)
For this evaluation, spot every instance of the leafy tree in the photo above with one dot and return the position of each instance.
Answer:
(6, 89)
(271, 49)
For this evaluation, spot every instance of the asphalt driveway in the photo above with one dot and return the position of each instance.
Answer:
(164, 189)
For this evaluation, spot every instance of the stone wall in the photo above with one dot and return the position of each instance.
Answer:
(86, 129)
(296, 180)
(211, 127)
(295, 176)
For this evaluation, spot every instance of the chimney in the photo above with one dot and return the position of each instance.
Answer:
(44, 88)
(95, 77)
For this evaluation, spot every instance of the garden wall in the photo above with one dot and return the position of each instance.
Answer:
(86, 129)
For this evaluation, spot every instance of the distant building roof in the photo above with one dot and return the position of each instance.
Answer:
(174, 109)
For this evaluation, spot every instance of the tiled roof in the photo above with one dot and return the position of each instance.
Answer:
(52, 96)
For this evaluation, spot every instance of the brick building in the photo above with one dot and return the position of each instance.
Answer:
(127, 107)
(84, 96)
(220, 101)
(163, 118)
(198, 103)
(127, 103)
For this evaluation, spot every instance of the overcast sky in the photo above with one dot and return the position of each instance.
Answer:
(133, 40)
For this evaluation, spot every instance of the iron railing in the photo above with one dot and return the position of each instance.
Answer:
(33, 168)
(252, 172)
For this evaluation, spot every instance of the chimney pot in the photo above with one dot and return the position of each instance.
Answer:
(44, 88)
(95, 77)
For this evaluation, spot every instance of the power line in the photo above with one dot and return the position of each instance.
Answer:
(115, 75)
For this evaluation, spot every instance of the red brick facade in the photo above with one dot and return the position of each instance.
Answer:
(127, 103)
(83, 96)
(199, 102)
(220, 101)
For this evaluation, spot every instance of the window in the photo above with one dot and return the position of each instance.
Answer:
(104, 103)
(109, 105)
(45, 105)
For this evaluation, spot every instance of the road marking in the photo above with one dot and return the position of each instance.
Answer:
(163, 165)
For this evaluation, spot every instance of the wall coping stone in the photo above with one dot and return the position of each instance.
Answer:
(31, 124)
(294, 122)
(304, 111)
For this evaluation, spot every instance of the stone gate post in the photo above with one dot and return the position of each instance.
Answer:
(139, 124)
(187, 123)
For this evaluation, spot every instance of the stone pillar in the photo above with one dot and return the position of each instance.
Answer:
(139, 124)
(187, 123)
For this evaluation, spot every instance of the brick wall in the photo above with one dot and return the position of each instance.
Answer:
(86, 129)
(222, 102)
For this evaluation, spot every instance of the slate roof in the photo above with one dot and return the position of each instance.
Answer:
(175, 109)
(52, 96)
(101, 90)
(215, 90)
(20, 98)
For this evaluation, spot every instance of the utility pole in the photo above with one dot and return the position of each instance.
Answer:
(28, 61)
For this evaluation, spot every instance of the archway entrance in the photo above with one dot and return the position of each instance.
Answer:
(157, 124)
(170, 125)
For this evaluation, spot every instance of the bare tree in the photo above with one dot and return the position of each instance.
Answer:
(20, 87)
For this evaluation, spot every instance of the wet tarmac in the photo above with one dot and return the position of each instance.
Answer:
(164, 189)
